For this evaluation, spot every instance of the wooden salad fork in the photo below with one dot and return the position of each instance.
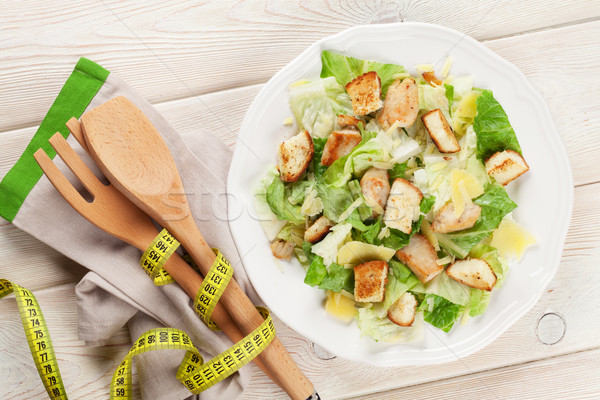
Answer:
(115, 214)
(133, 156)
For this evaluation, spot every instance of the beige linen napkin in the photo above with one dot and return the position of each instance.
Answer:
(116, 290)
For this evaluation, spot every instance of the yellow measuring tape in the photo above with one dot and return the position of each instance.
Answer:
(193, 372)
(38, 338)
(156, 256)
(212, 288)
(196, 375)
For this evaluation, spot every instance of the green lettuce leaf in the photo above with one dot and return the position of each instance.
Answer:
(479, 302)
(370, 235)
(380, 328)
(398, 171)
(449, 96)
(277, 198)
(338, 278)
(493, 129)
(361, 158)
(495, 204)
(319, 145)
(335, 200)
(316, 272)
(345, 69)
(439, 312)
(317, 104)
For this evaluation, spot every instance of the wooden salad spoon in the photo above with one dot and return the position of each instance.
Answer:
(115, 214)
(135, 159)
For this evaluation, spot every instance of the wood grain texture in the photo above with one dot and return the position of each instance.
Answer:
(190, 48)
(202, 64)
(549, 379)
(86, 371)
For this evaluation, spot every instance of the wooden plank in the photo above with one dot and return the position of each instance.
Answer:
(33, 264)
(86, 371)
(578, 379)
(180, 49)
(570, 52)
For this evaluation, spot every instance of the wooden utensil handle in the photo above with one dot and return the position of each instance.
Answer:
(190, 281)
(285, 371)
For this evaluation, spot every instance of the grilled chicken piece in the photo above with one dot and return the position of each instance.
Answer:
(365, 93)
(446, 221)
(294, 156)
(282, 249)
(420, 256)
(348, 121)
(339, 144)
(401, 104)
(473, 272)
(429, 76)
(402, 206)
(440, 131)
(375, 187)
(318, 230)
(403, 311)
(370, 279)
(506, 166)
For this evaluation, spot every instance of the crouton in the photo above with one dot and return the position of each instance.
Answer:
(440, 131)
(401, 104)
(370, 279)
(318, 230)
(375, 187)
(403, 311)
(402, 206)
(365, 93)
(294, 156)
(506, 166)
(348, 121)
(339, 144)
(446, 220)
(420, 256)
(429, 76)
(473, 272)
(282, 249)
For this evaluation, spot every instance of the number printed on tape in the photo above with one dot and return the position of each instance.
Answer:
(38, 338)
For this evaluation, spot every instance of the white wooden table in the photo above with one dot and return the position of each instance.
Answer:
(175, 51)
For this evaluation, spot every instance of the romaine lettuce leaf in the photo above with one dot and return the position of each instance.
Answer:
(277, 198)
(493, 129)
(319, 145)
(317, 104)
(338, 278)
(397, 171)
(495, 204)
(345, 69)
(479, 302)
(451, 290)
(316, 272)
(382, 329)
(393, 290)
(335, 200)
(361, 158)
(439, 312)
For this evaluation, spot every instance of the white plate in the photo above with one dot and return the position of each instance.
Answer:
(544, 194)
